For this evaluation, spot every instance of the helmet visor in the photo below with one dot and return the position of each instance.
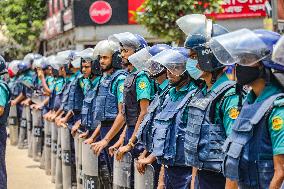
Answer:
(239, 47)
(193, 24)
(278, 52)
(174, 61)
(139, 58)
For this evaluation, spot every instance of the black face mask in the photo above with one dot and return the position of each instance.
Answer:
(247, 74)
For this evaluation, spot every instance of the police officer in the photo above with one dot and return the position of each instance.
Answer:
(4, 112)
(108, 105)
(170, 122)
(254, 150)
(14, 110)
(213, 110)
(144, 135)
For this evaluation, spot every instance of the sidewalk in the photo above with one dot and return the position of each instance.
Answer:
(23, 172)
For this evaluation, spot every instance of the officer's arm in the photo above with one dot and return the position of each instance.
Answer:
(117, 124)
(144, 103)
(19, 98)
(278, 177)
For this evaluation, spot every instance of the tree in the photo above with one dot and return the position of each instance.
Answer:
(23, 20)
(159, 16)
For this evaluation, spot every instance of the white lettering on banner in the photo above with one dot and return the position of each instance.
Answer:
(233, 9)
(257, 7)
(101, 12)
(234, 2)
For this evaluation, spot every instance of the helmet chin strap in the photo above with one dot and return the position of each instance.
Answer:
(182, 79)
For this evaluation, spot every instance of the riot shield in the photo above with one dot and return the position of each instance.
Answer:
(90, 167)
(146, 180)
(29, 131)
(47, 146)
(53, 154)
(78, 156)
(66, 158)
(37, 134)
(13, 125)
(122, 172)
(58, 169)
(23, 130)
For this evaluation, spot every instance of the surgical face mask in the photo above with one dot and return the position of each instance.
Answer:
(246, 74)
(191, 68)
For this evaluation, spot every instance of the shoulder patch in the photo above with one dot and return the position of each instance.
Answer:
(121, 88)
(142, 85)
(57, 88)
(277, 123)
(234, 113)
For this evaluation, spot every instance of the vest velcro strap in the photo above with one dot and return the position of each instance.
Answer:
(235, 150)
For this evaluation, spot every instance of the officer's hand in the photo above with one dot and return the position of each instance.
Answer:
(121, 151)
(84, 135)
(75, 129)
(13, 103)
(53, 117)
(140, 167)
(32, 106)
(64, 125)
(99, 146)
(89, 140)
(114, 148)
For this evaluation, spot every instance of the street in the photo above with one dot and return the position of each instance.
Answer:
(23, 172)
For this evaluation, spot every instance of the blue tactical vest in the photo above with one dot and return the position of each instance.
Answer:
(145, 132)
(248, 150)
(87, 109)
(65, 96)
(203, 138)
(58, 95)
(168, 133)
(75, 96)
(3, 118)
(106, 107)
(131, 107)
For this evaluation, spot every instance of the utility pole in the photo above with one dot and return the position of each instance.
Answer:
(274, 4)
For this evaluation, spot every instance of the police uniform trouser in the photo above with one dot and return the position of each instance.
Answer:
(210, 180)
(3, 174)
(177, 177)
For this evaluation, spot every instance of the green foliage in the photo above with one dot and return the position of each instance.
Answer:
(23, 20)
(159, 16)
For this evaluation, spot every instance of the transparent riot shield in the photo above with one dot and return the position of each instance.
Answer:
(58, 169)
(53, 154)
(13, 125)
(78, 154)
(23, 130)
(47, 146)
(37, 134)
(122, 172)
(146, 180)
(90, 167)
(66, 158)
(29, 131)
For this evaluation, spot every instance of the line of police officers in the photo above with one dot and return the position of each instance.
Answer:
(127, 115)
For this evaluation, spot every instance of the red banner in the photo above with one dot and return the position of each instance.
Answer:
(241, 9)
(133, 6)
(231, 9)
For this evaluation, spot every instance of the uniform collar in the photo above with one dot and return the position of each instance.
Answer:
(163, 85)
(269, 90)
(219, 81)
